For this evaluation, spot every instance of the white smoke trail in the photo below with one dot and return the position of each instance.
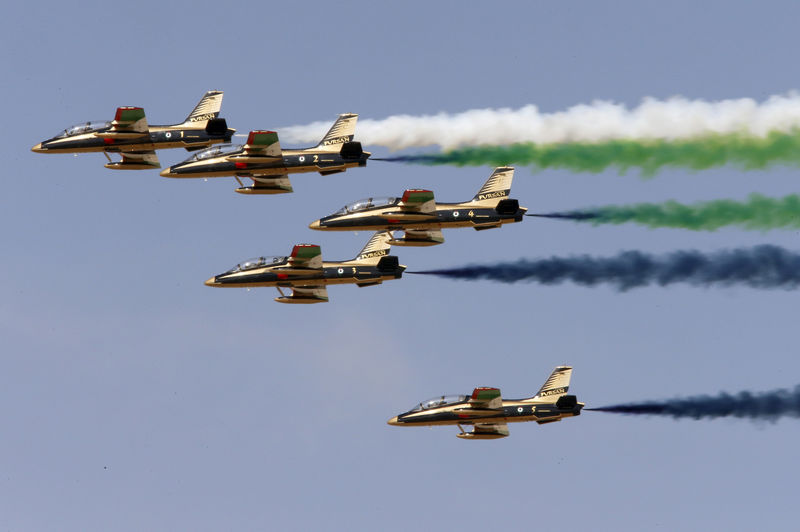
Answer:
(672, 119)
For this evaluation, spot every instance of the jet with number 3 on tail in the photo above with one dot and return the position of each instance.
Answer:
(489, 413)
(421, 219)
(136, 141)
(267, 165)
(305, 273)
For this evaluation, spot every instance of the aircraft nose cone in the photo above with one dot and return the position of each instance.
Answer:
(211, 282)
(393, 421)
(167, 173)
(314, 225)
(38, 148)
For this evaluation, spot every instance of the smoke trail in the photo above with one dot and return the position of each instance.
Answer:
(743, 151)
(758, 212)
(758, 267)
(598, 122)
(765, 406)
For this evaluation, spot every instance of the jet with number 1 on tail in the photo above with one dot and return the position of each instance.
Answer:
(490, 414)
(136, 141)
(304, 272)
(421, 219)
(267, 165)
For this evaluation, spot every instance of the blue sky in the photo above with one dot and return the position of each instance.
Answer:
(133, 397)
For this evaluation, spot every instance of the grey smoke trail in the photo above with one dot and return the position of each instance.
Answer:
(763, 266)
(756, 406)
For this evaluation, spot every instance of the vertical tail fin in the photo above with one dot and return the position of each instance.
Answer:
(555, 386)
(497, 187)
(343, 130)
(206, 109)
(377, 247)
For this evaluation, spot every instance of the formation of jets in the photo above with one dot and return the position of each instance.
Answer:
(414, 219)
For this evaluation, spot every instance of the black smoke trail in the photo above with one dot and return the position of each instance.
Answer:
(756, 406)
(764, 266)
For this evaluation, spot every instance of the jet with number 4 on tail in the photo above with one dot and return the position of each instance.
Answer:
(305, 273)
(136, 141)
(489, 413)
(263, 161)
(421, 219)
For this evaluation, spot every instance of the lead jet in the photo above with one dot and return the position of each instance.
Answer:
(421, 219)
(268, 166)
(308, 276)
(130, 135)
(490, 414)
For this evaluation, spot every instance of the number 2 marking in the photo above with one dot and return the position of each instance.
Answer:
(316, 158)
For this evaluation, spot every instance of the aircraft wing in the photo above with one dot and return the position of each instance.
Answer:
(486, 398)
(261, 147)
(417, 200)
(497, 430)
(270, 184)
(128, 123)
(433, 236)
(136, 160)
(305, 295)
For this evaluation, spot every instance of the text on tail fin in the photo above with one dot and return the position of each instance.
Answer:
(376, 247)
(207, 108)
(343, 130)
(557, 384)
(498, 185)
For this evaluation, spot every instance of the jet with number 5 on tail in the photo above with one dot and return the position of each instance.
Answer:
(130, 135)
(263, 161)
(490, 414)
(308, 276)
(421, 219)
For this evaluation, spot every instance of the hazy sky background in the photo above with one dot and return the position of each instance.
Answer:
(132, 397)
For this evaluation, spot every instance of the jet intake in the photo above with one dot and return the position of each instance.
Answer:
(389, 263)
(351, 150)
(216, 127)
(567, 402)
(507, 206)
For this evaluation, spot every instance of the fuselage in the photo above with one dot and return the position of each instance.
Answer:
(346, 272)
(157, 137)
(445, 215)
(290, 162)
(512, 410)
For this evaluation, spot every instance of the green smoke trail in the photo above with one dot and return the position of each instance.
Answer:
(739, 150)
(757, 213)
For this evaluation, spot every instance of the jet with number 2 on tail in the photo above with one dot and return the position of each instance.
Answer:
(422, 219)
(308, 276)
(490, 414)
(130, 135)
(264, 162)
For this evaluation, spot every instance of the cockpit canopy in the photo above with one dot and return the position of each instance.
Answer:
(214, 151)
(258, 262)
(84, 127)
(439, 401)
(367, 203)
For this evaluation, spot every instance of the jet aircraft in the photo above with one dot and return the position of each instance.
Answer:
(489, 414)
(308, 276)
(422, 219)
(264, 162)
(130, 135)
